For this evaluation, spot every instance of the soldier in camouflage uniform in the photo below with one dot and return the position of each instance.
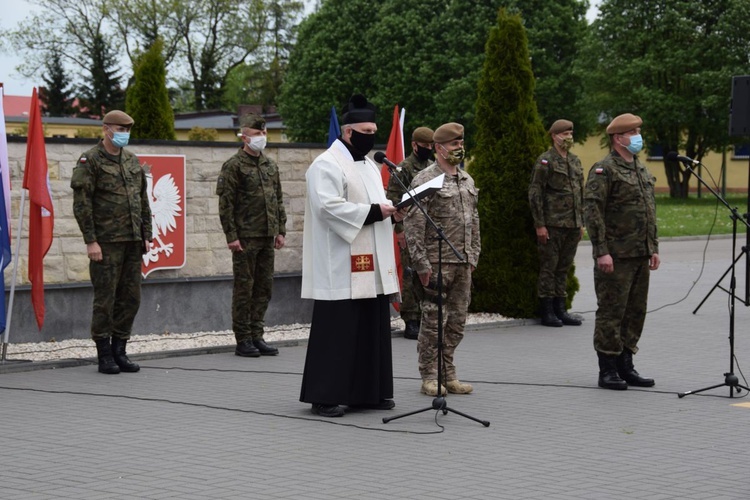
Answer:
(111, 206)
(454, 209)
(620, 215)
(556, 200)
(253, 218)
(411, 289)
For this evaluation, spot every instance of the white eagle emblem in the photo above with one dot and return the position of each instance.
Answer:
(164, 199)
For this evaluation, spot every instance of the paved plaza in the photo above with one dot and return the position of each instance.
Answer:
(217, 426)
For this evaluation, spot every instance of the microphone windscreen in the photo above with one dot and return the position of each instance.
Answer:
(379, 157)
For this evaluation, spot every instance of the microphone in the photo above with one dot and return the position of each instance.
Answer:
(673, 156)
(380, 158)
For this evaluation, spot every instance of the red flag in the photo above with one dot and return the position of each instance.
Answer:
(395, 149)
(41, 212)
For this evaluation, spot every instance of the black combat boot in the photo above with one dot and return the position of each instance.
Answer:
(265, 349)
(104, 353)
(118, 352)
(246, 349)
(626, 371)
(412, 329)
(547, 313)
(558, 305)
(608, 378)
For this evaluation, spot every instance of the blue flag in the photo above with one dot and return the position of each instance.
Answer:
(333, 128)
(4, 212)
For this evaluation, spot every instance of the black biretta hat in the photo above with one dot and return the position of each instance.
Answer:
(358, 110)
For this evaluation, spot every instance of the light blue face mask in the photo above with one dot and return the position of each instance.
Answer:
(636, 144)
(120, 139)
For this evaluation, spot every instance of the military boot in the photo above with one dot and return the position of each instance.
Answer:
(608, 378)
(411, 331)
(430, 387)
(547, 313)
(458, 387)
(626, 371)
(104, 354)
(558, 306)
(118, 353)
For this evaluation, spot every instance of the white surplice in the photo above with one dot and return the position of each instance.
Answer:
(340, 193)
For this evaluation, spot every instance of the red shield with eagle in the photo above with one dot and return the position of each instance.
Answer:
(165, 177)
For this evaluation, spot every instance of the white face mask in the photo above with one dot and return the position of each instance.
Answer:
(257, 143)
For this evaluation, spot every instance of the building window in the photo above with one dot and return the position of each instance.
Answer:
(741, 152)
(655, 152)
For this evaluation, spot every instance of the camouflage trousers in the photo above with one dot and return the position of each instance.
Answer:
(117, 289)
(411, 290)
(253, 283)
(622, 298)
(456, 298)
(555, 258)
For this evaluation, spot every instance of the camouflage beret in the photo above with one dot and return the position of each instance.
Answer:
(358, 110)
(422, 134)
(448, 132)
(624, 123)
(561, 126)
(251, 120)
(116, 117)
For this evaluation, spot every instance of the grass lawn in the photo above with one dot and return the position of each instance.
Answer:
(694, 216)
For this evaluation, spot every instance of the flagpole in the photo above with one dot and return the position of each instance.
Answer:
(13, 280)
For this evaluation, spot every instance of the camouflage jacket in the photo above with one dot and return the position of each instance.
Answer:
(410, 167)
(250, 201)
(556, 190)
(454, 209)
(619, 208)
(110, 197)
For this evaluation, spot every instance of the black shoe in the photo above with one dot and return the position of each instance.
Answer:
(246, 349)
(608, 378)
(104, 355)
(327, 411)
(265, 349)
(558, 306)
(628, 373)
(384, 404)
(121, 357)
(547, 313)
(412, 329)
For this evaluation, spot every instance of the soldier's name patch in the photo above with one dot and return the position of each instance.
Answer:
(362, 263)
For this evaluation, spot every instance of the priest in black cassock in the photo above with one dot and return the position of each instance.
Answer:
(349, 270)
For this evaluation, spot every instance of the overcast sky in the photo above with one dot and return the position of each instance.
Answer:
(14, 11)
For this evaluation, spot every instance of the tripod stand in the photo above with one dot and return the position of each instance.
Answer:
(439, 403)
(730, 379)
(745, 251)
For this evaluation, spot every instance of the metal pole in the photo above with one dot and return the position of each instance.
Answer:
(13, 281)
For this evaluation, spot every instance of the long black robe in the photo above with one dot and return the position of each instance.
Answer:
(349, 353)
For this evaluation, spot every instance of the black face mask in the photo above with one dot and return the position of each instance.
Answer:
(363, 143)
(424, 154)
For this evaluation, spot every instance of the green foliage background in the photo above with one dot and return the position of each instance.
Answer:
(147, 99)
(510, 136)
(426, 56)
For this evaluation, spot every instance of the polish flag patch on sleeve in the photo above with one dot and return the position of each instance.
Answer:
(544, 162)
(599, 170)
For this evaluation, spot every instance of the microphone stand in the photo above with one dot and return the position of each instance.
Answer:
(730, 379)
(746, 252)
(439, 403)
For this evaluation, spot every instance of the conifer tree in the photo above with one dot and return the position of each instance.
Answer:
(148, 99)
(56, 94)
(509, 138)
